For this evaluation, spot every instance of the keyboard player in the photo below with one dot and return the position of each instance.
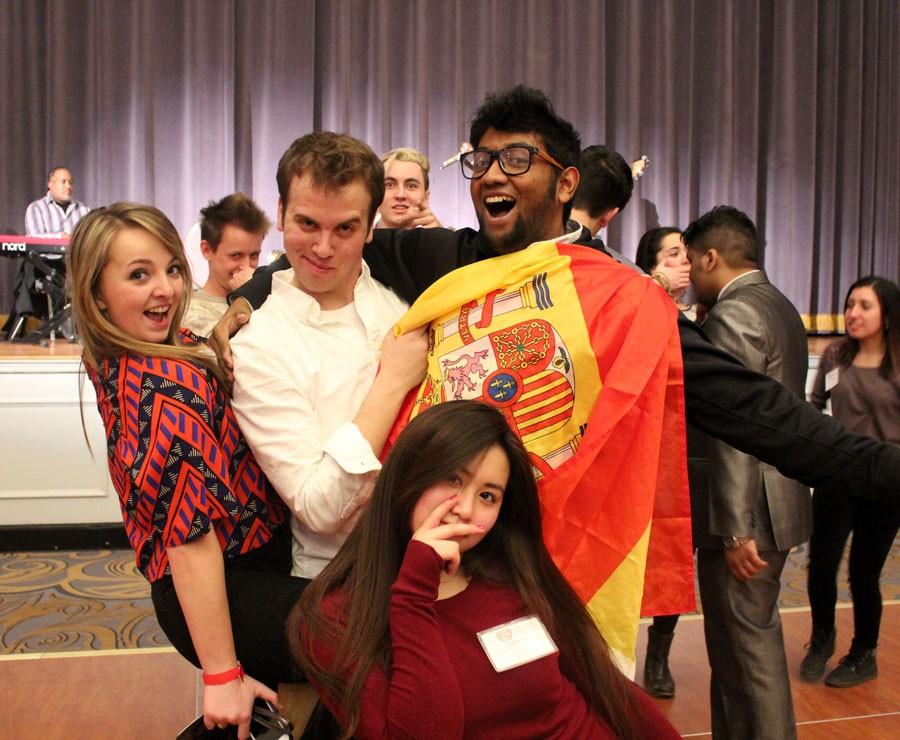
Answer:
(39, 282)
(56, 214)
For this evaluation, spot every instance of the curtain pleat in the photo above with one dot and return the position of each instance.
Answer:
(788, 110)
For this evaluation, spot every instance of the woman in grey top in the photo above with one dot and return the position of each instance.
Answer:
(861, 375)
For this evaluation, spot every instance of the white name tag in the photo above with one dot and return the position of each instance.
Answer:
(516, 643)
(832, 378)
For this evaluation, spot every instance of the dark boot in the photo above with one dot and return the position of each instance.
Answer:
(821, 648)
(857, 667)
(657, 679)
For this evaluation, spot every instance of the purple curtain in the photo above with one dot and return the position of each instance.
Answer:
(788, 110)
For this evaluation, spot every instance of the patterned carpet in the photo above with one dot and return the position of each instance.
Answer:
(63, 601)
(97, 600)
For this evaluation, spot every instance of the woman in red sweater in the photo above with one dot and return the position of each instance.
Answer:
(443, 615)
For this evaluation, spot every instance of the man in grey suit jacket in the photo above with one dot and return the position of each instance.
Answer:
(748, 516)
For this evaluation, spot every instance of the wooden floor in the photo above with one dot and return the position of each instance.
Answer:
(871, 710)
(153, 693)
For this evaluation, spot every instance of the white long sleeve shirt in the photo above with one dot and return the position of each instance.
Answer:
(301, 376)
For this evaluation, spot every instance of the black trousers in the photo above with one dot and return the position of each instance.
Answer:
(261, 594)
(874, 526)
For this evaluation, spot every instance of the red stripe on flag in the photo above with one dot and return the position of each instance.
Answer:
(534, 412)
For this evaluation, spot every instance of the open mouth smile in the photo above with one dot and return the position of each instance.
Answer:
(158, 316)
(499, 205)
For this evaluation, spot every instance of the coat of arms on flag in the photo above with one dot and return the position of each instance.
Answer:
(514, 349)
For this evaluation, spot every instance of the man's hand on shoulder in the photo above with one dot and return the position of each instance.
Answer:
(744, 560)
(235, 317)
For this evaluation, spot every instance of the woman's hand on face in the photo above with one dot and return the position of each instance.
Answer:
(679, 277)
(232, 704)
(440, 536)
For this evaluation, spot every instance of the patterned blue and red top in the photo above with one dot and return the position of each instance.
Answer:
(179, 461)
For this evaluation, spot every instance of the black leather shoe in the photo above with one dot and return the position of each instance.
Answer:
(820, 650)
(857, 667)
(657, 679)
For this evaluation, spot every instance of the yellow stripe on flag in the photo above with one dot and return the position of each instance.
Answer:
(617, 604)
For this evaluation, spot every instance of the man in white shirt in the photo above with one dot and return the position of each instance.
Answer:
(319, 375)
(56, 214)
(231, 236)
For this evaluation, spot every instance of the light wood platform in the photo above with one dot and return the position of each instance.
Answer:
(154, 693)
(22, 351)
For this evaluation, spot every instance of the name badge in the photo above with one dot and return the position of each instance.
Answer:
(832, 378)
(516, 643)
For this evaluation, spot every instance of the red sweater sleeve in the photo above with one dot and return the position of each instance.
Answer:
(653, 722)
(421, 698)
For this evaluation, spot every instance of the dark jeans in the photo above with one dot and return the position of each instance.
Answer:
(874, 526)
(261, 594)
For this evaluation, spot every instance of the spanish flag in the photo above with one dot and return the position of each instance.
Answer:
(583, 358)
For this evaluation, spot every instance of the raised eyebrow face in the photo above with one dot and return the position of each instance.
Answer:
(355, 221)
(300, 217)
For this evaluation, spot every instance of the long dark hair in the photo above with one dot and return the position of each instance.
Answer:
(888, 295)
(433, 448)
(649, 246)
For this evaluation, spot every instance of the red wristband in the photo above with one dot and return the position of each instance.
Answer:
(217, 679)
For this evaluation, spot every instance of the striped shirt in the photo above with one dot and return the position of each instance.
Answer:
(45, 217)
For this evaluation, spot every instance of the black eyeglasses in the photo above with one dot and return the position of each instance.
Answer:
(514, 160)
